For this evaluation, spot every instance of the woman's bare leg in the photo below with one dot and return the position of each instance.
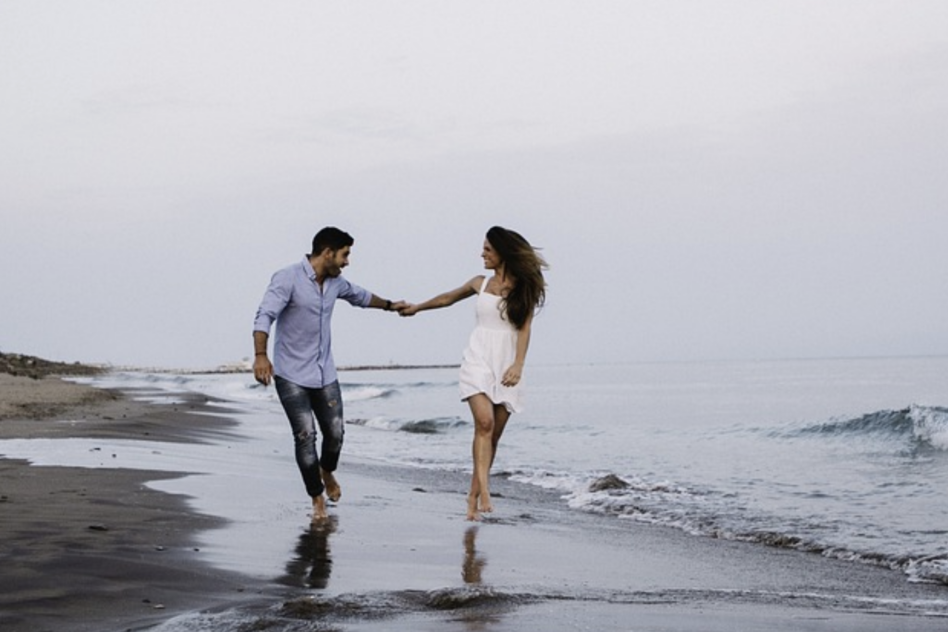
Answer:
(478, 499)
(501, 415)
(489, 422)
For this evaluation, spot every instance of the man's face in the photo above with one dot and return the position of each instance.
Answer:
(337, 260)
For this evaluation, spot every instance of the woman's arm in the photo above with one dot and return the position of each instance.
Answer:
(513, 374)
(445, 299)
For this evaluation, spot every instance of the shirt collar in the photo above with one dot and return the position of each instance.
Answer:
(308, 268)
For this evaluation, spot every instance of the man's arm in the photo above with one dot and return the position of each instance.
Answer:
(262, 369)
(275, 300)
(387, 305)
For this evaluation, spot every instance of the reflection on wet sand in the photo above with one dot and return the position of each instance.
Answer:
(483, 611)
(311, 565)
(474, 563)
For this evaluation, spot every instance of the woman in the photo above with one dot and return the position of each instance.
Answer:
(492, 364)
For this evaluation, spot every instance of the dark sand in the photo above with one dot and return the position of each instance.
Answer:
(93, 549)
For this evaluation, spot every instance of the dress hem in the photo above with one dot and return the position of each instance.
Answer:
(506, 404)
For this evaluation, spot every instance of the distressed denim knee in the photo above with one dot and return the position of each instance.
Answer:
(327, 405)
(305, 407)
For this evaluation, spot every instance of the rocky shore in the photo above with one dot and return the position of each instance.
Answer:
(36, 368)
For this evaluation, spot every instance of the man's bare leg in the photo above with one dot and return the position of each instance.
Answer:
(319, 509)
(333, 491)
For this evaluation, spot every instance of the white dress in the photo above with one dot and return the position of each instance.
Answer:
(490, 351)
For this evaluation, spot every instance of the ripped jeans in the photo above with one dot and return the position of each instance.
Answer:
(301, 405)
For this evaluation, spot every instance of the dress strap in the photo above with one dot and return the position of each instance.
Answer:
(484, 284)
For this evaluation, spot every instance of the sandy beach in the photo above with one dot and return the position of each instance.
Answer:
(95, 549)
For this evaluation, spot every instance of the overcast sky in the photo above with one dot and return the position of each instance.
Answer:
(708, 180)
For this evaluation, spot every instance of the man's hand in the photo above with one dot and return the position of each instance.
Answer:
(398, 306)
(262, 369)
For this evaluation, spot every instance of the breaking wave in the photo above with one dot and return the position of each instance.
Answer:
(711, 514)
(480, 604)
(361, 393)
(436, 425)
(923, 425)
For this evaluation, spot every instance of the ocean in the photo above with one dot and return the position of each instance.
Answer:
(844, 458)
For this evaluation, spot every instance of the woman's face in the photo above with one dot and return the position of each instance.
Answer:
(491, 259)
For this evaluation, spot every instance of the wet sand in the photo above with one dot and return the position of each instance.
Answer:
(398, 555)
(93, 549)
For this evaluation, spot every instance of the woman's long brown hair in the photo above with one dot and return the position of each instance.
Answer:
(524, 264)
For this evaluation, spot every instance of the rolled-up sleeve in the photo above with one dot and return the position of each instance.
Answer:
(355, 295)
(274, 301)
(300, 309)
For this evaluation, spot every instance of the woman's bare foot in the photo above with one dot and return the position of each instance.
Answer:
(484, 503)
(319, 509)
(472, 514)
(333, 491)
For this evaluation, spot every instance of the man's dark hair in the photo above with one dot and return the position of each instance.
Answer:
(332, 238)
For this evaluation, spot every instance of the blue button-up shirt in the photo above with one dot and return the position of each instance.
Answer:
(302, 349)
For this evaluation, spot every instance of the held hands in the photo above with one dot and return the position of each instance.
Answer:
(398, 306)
(408, 309)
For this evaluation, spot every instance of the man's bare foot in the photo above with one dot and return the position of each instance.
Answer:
(333, 491)
(319, 509)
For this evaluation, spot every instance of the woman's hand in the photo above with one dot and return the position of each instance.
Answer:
(512, 375)
(408, 310)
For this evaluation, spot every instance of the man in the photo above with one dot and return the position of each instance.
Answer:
(300, 299)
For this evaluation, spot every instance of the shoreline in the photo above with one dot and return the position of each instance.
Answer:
(247, 369)
(96, 548)
(396, 554)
